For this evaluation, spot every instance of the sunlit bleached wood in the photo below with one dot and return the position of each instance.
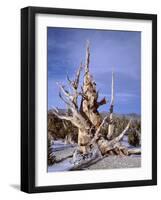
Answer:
(134, 151)
(111, 124)
(118, 138)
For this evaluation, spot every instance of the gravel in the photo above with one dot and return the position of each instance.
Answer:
(115, 162)
(64, 153)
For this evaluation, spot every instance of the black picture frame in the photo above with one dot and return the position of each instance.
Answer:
(28, 98)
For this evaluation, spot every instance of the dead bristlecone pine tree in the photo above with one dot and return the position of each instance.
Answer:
(92, 144)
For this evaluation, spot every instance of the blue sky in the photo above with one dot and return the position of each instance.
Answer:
(119, 51)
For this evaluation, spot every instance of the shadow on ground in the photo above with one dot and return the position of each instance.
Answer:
(15, 186)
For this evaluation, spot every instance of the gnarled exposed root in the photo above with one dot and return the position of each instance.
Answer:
(86, 163)
(81, 161)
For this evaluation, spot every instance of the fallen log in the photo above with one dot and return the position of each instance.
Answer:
(135, 151)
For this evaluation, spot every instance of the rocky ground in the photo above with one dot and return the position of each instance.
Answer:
(64, 153)
(115, 162)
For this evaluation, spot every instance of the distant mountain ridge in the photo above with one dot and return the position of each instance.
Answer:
(103, 113)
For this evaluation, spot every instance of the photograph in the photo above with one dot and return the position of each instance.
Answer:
(93, 99)
(89, 99)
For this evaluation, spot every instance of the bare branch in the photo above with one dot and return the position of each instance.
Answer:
(87, 58)
(118, 138)
(134, 151)
(68, 79)
(55, 112)
(61, 97)
(77, 118)
(112, 90)
(111, 125)
(101, 125)
(98, 130)
(65, 92)
(68, 96)
(76, 82)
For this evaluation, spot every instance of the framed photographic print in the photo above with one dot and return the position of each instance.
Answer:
(88, 99)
